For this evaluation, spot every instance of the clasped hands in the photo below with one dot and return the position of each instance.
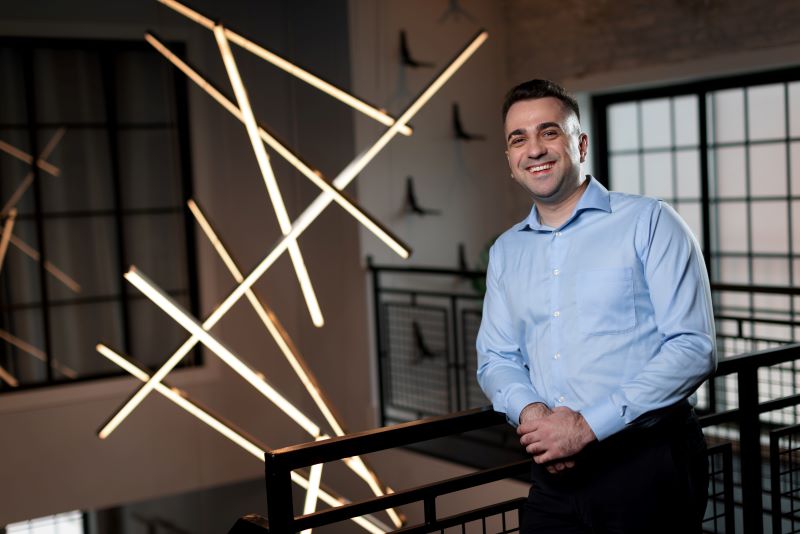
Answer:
(553, 437)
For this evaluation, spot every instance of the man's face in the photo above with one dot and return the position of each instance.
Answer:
(545, 148)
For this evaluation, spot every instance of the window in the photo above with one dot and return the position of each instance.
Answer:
(110, 194)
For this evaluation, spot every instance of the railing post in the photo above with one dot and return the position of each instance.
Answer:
(750, 443)
(280, 511)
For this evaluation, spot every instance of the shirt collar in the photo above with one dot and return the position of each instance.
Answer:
(596, 197)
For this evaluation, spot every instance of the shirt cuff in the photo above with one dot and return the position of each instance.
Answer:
(605, 419)
(517, 399)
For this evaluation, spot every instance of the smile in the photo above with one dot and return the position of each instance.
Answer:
(539, 168)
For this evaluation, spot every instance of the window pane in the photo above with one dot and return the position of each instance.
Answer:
(25, 358)
(730, 167)
(658, 175)
(85, 182)
(732, 226)
(771, 271)
(145, 90)
(625, 174)
(13, 171)
(728, 116)
(76, 330)
(70, 242)
(149, 170)
(765, 112)
(69, 87)
(733, 271)
(692, 213)
(768, 170)
(623, 127)
(656, 121)
(795, 165)
(21, 279)
(770, 226)
(686, 120)
(12, 89)
(687, 170)
(796, 227)
(794, 109)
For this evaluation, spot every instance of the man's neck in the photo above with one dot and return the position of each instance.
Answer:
(556, 214)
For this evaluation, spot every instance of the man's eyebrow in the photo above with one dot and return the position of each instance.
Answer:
(539, 128)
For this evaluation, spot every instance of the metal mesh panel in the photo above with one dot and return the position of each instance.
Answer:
(719, 512)
(470, 323)
(785, 467)
(416, 358)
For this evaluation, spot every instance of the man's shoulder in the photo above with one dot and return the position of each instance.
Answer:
(628, 200)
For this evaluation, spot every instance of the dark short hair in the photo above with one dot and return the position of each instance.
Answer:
(534, 89)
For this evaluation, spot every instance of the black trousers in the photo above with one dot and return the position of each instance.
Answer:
(643, 480)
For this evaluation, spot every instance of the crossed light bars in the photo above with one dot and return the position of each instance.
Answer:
(7, 237)
(330, 192)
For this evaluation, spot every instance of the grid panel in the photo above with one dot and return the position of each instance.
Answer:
(720, 498)
(416, 358)
(470, 323)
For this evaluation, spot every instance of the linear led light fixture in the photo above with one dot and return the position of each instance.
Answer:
(32, 253)
(312, 495)
(8, 227)
(8, 378)
(316, 176)
(299, 226)
(174, 310)
(171, 308)
(292, 355)
(28, 180)
(326, 87)
(11, 150)
(182, 400)
(26, 347)
(266, 172)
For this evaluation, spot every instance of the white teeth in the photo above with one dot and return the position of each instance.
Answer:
(541, 167)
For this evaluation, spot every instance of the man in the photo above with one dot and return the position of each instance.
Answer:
(597, 327)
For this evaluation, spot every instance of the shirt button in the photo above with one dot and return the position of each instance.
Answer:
(561, 399)
(556, 313)
(556, 272)
(558, 234)
(557, 355)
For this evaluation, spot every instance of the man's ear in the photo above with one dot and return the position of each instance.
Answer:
(583, 146)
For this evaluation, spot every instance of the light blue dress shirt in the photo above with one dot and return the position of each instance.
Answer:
(609, 314)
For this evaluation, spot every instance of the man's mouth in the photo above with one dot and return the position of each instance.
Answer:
(540, 168)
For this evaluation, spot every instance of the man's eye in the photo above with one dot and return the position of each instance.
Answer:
(549, 133)
(516, 141)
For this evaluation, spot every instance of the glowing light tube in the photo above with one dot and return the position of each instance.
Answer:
(266, 172)
(26, 347)
(8, 378)
(182, 400)
(28, 180)
(300, 224)
(174, 310)
(326, 87)
(316, 177)
(49, 168)
(292, 355)
(312, 494)
(8, 227)
(60, 275)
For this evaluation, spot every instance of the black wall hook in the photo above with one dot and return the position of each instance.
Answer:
(458, 128)
(412, 206)
(405, 54)
(423, 351)
(462, 257)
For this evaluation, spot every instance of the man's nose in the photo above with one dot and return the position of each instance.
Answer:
(536, 149)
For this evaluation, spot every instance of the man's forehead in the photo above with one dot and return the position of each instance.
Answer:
(530, 113)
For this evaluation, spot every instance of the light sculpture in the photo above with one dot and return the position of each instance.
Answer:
(182, 399)
(331, 191)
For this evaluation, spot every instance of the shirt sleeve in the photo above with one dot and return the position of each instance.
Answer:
(681, 298)
(502, 370)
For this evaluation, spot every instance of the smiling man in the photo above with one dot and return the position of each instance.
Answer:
(597, 329)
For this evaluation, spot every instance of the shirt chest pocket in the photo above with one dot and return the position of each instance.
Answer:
(605, 301)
